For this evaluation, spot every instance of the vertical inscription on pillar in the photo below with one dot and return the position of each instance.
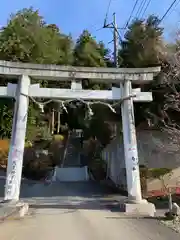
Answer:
(133, 157)
(132, 132)
(12, 179)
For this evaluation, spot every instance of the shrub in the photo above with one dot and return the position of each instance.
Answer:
(158, 172)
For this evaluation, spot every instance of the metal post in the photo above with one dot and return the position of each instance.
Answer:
(52, 122)
(16, 151)
(59, 122)
(130, 146)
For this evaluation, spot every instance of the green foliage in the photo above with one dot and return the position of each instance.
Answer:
(88, 52)
(144, 47)
(6, 118)
(28, 38)
(142, 44)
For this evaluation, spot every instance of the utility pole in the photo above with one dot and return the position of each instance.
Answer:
(128, 127)
(114, 26)
(116, 40)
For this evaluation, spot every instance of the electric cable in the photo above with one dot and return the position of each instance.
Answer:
(130, 16)
(147, 5)
(168, 10)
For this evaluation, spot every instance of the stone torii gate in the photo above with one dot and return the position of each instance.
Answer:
(24, 72)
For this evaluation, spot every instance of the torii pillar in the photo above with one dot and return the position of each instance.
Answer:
(134, 203)
(16, 150)
(130, 145)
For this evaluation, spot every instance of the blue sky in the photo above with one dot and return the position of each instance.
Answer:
(72, 16)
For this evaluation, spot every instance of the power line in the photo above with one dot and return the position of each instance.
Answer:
(176, 4)
(107, 12)
(130, 16)
(167, 11)
(142, 7)
(113, 28)
(147, 5)
(112, 24)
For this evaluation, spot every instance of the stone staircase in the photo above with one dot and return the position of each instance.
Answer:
(72, 158)
(71, 170)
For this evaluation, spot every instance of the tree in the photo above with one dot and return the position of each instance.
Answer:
(89, 53)
(106, 54)
(144, 47)
(143, 44)
(27, 38)
(164, 111)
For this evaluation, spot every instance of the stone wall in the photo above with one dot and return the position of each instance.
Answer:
(155, 150)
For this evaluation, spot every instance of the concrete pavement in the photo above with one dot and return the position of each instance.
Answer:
(79, 211)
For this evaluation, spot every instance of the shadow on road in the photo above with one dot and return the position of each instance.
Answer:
(68, 195)
(112, 205)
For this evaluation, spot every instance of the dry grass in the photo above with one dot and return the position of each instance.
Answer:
(4, 148)
(4, 144)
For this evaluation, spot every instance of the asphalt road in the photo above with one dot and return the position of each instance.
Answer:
(78, 211)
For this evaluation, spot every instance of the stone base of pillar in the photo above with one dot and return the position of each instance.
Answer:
(138, 208)
(13, 210)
